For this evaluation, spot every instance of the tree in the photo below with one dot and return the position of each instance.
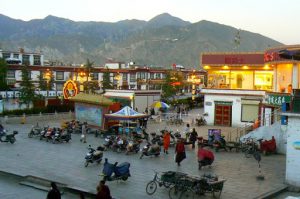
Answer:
(27, 94)
(168, 89)
(88, 69)
(106, 83)
(42, 82)
(3, 72)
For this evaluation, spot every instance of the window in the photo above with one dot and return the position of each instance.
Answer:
(124, 76)
(94, 76)
(16, 56)
(36, 60)
(249, 110)
(132, 78)
(26, 59)
(151, 75)
(11, 74)
(143, 76)
(6, 55)
(157, 76)
(59, 75)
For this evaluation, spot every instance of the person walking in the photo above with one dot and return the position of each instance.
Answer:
(167, 140)
(186, 132)
(54, 192)
(179, 151)
(103, 191)
(193, 137)
(83, 132)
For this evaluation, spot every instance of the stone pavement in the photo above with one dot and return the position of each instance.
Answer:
(64, 163)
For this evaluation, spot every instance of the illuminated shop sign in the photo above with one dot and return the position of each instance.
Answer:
(278, 99)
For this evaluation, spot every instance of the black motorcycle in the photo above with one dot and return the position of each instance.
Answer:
(4, 137)
(109, 141)
(94, 155)
(113, 172)
(61, 136)
(150, 150)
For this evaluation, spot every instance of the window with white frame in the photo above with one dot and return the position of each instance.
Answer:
(11, 74)
(132, 77)
(59, 75)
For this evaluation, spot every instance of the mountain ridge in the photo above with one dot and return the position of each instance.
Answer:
(163, 40)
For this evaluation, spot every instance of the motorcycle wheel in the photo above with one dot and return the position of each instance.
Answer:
(41, 137)
(30, 134)
(86, 163)
(151, 187)
(12, 140)
(124, 178)
(141, 156)
(99, 161)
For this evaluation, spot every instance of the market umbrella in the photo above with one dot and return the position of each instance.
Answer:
(159, 104)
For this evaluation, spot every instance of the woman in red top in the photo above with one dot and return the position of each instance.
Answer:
(180, 152)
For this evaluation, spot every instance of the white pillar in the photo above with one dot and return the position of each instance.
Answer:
(275, 79)
(295, 80)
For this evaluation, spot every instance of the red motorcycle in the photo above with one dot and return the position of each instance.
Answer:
(267, 146)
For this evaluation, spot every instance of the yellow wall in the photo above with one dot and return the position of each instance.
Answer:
(284, 76)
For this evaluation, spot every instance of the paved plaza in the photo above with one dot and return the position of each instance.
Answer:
(64, 163)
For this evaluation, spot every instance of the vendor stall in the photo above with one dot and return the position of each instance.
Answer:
(91, 108)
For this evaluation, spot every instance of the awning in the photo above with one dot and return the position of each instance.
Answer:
(119, 95)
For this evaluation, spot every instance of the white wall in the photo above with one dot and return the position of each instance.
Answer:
(236, 108)
(293, 154)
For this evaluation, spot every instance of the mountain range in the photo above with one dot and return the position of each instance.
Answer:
(161, 41)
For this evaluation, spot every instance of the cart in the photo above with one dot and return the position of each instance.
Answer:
(182, 185)
(166, 179)
(193, 186)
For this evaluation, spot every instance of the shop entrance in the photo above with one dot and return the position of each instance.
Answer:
(223, 113)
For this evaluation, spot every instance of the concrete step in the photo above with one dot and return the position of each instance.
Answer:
(40, 183)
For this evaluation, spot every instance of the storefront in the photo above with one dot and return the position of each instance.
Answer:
(237, 71)
(225, 107)
(286, 67)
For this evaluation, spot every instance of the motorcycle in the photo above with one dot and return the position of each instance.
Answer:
(47, 133)
(113, 172)
(201, 121)
(108, 142)
(156, 139)
(133, 146)
(4, 137)
(61, 136)
(150, 150)
(94, 155)
(119, 144)
(35, 131)
(220, 144)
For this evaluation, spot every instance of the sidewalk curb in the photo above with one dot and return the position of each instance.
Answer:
(273, 193)
(64, 187)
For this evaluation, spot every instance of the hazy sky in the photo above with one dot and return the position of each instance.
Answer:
(276, 19)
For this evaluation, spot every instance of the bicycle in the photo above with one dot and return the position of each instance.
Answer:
(250, 147)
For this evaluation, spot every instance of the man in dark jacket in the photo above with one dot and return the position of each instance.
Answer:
(193, 137)
(54, 192)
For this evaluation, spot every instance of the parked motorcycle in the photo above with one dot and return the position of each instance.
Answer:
(109, 141)
(35, 131)
(61, 136)
(47, 134)
(150, 150)
(94, 155)
(113, 172)
(156, 139)
(200, 121)
(119, 144)
(220, 144)
(4, 137)
(133, 146)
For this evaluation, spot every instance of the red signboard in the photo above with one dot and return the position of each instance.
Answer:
(233, 59)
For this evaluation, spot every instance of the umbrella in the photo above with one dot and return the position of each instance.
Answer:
(159, 104)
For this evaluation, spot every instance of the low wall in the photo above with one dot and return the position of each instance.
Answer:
(31, 119)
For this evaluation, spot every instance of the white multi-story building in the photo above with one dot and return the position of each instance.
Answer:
(22, 57)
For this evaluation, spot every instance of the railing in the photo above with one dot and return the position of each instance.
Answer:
(262, 120)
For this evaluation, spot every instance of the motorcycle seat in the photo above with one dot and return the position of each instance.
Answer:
(96, 153)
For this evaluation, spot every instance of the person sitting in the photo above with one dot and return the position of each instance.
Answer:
(205, 157)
